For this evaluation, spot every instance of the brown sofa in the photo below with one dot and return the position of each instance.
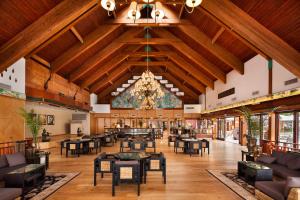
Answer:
(285, 165)
(11, 162)
(10, 193)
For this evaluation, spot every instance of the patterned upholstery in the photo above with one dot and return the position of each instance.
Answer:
(105, 166)
(126, 172)
(72, 146)
(157, 162)
(154, 164)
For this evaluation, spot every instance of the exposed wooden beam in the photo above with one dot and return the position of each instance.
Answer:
(90, 41)
(181, 11)
(217, 35)
(193, 55)
(145, 22)
(76, 34)
(150, 54)
(42, 29)
(182, 74)
(179, 85)
(217, 50)
(116, 84)
(151, 64)
(151, 41)
(65, 29)
(117, 72)
(241, 38)
(256, 34)
(103, 54)
(192, 70)
(41, 60)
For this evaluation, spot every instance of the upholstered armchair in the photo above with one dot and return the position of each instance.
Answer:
(278, 190)
(137, 146)
(150, 144)
(103, 164)
(171, 139)
(205, 145)
(109, 140)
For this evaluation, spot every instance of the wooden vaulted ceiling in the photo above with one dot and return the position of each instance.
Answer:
(79, 41)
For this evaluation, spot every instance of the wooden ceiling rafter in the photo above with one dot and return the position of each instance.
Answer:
(77, 34)
(103, 54)
(41, 61)
(193, 55)
(217, 35)
(104, 69)
(42, 30)
(123, 68)
(90, 41)
(215, 49)
(256, 34)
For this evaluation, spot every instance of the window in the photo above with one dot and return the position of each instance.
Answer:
(265, 127)
(286, 127)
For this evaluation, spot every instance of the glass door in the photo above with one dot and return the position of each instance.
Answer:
(286, 128)
(221, 129)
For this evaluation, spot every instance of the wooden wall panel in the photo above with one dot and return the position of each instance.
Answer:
(11, 123)
(37, 75)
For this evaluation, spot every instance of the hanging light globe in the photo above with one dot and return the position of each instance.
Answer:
(108, 5)
(193, 3)
(134, 11)
(157, 12)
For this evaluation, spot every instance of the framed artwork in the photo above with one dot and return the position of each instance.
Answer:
(50, 119)
(43, 119)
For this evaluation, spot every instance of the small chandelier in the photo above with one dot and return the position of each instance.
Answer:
(108, 5)
(157, 13)
(134, 11)
(147, 90)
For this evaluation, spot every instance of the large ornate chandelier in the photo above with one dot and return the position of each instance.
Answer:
(147, 90)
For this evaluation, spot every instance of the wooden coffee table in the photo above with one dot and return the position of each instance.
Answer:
(251, 172)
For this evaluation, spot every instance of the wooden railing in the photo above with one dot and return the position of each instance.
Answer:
(268, 146)
(13, 147)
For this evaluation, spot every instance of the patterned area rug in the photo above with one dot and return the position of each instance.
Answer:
(52, 182)
(231, 180)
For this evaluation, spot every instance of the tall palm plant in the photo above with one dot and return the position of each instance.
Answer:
(247, 113)
(33, 122)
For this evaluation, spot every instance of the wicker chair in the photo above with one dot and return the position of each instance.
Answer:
(205, 145)
(127, 172)
(179, 144)
(124, 144)
(151, 145)
(195, 147)
(103, 164)
(157, 162)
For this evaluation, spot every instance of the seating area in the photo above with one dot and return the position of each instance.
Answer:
(149, 99)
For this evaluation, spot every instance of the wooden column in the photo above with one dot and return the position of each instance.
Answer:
(270, 68)
(273, 127)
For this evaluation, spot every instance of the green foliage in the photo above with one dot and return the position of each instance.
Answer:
(33, 122)
(247, 114)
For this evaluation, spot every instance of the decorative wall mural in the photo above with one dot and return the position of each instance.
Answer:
(125, 100)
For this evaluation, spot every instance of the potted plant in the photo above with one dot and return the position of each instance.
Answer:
(33, 122)
(251, 125)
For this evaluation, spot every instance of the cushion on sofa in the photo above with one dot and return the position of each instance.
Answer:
(6, 170)
(3, 161)
(291, 182)
(266, 159)
(10, 193)
(294, 164)
(283, 171)
(274, 189)
(15, 159)
(280, 157)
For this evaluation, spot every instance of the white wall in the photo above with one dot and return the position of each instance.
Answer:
(254, 79)
(98, 108)
(280, 75)
(17, 81)
(63, 118)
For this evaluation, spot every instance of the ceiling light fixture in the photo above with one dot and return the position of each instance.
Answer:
(157, 12)
(192, 4)
(108, 5)
(134, 11)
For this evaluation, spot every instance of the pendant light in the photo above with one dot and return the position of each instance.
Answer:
(108, 5)
(134, 11)
(157, 12)
(193, 3)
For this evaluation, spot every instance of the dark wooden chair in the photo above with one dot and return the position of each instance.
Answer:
(103, 164)
(63, 145)
(195, 147)
(124, 144)
(94, 144)
(126, 172)
(137, 146)
(150, 144)
(74, 147)
(179, 144)
(171, 139)
(108, 140)
(157, 162)
(205, 145)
